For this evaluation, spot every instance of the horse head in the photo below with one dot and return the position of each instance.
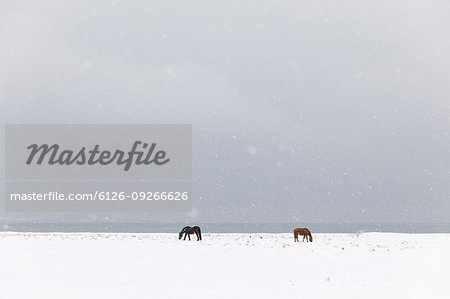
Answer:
(184, 230)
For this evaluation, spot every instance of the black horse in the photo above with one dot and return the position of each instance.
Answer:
(187, 231)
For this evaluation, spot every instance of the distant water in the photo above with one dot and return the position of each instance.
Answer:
(228, 227)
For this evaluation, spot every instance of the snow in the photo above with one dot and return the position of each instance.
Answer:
(91, 265)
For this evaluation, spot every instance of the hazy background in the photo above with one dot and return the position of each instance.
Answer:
(302, 111)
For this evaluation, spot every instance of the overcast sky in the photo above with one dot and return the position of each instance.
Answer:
(307, 111)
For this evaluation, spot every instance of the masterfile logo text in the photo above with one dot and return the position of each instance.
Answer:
(98, 167)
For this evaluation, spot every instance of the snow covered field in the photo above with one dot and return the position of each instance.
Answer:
(90, 265)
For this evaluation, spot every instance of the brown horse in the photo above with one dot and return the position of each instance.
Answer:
(302, 231)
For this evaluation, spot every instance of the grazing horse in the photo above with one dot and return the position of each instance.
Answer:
(187, 231)
(302, 231)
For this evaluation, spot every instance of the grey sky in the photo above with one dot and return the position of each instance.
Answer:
(315, 111)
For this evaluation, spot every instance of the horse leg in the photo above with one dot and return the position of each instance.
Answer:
(198, 238)
(295, 237)
(185, 234)
(189, 236)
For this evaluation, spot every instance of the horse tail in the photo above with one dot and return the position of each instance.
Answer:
(310, 237)
(200, 233)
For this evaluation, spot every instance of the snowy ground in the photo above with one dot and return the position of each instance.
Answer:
(371, 265)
